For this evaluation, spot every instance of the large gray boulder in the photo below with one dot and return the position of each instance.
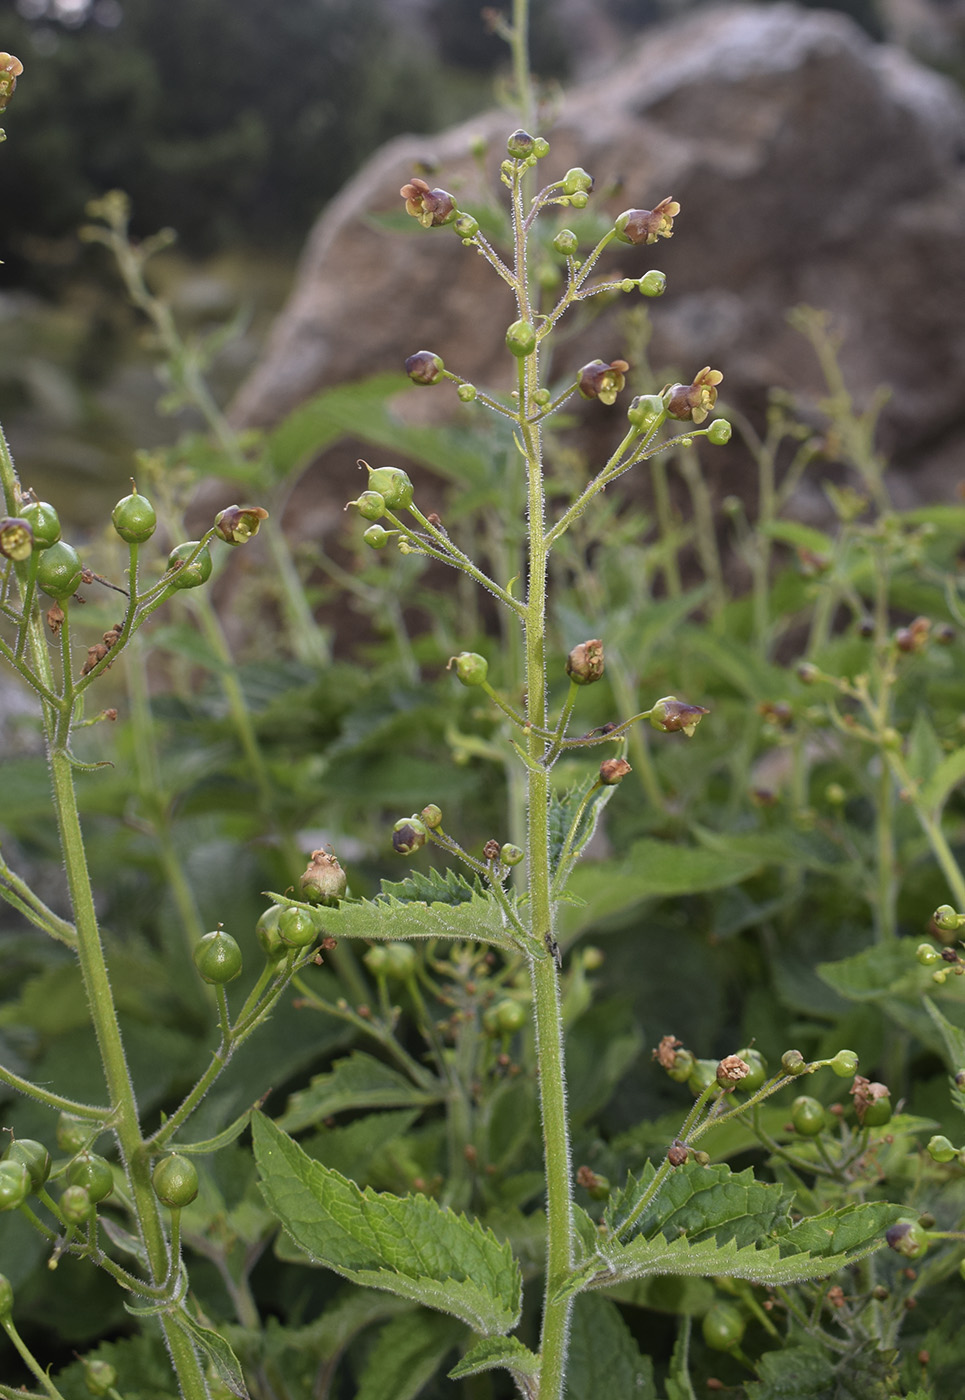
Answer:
(811, 165)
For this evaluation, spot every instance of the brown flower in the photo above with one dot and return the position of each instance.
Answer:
(647, 225)
(671, 715)
(865, 1092)
(666, 1052)
(613, 771)
(694, 401)
(584, 665)
(598, 380)
(430, 207)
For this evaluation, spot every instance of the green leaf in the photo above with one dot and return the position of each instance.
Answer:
(351, 1149)
(954, 1040)
(408, 1245)
(563, 809)
(406, 1356)
(217, 1350)
(431, 887)
(478, 919)
(946, 777)
(886, 969)
(604, 1360)
(360, 1081)
(698, 1201)
(493, 1352)
(792, 532)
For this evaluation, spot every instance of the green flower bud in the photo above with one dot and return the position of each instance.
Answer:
(541, 147)
(100, 1377)
(195, 573)
(927, 955)
(93, 1173)
(218, 958)
(376, 537)
(906, 1237)
(134, 518)
(266, 931)
(431, 816)
(653, 283)
(947, 919)
(505, 1017)
(466, 392)
(375, 960)
(808, 1116)
(719, 432)
(702, 1075)
(370, 505)
(237, 524)
(576, 180)
(393, 484)
(44, 523)
(520, 145)
(521, 339)
(400, 961)
(175, 1181)
(471, 668)
(16, 539)
(76, 1205)
(425, 367)
(593, 958)
(466, 226)
(59, 572)
(72, 1133)
(408, 835)
(793, 1062)
(646, 412)
(940, 1149)
(510, 854)
(566, 243)
(723, 1327)
(844, 1064)
(579, 200)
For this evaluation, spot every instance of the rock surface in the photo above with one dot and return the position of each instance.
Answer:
(812, 166)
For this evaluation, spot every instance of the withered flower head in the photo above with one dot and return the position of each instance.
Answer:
(598, 380)
(865, 1092)
(324, 880)
(613, 771)
(666, 1052)
(677, 1154)
(694, 401)
(237, 524)
(584, 665)
(671, 715)
(647, 225)
(731, 1070)
(431, 207)
(491, 850)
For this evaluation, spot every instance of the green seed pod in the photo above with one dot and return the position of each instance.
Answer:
(576, 180)
(808, 1116)
(94, 1174)
(100, 1377)
(194, 574)
(370, 505)
(16, 539)
(72, 1133)
(14, 1185)
(723, 1327)
(940, 1149)
(175, 1181)
(541, 147)
(845, 1064)
(793, 1062)
(703, 1073)
(471, 668)
(323, 881)
(134, 518)
(44, 522)
(59, 571)
(653, 283)
(947, 919)
(505, 1017)
(393, 485)
(566, 242)
(467, 226)
(432, 816)
(218, 958)
(375, 960)
(400, 961)
(521, 339)
(76, 1205)
(876, 1114)
(34, 1157)
(758, 1070)
(719, 432)
(408, 835)
(6, 1297)
(510, 854)
(376, 536)
(520, 145)
(266, 931)
(297, 928)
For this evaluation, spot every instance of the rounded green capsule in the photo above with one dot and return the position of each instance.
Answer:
(195, 573)
(59, 571)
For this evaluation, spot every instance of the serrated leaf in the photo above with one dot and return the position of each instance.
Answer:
(408, 1352)
(943, 780)
(698, 1201)
(431, 887)
(408, 1245)
(954, 1041)
(217, 1350)
(491, 1353)
(478, 920)
(563, 810)
(358, 1082)
(604, 1360)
